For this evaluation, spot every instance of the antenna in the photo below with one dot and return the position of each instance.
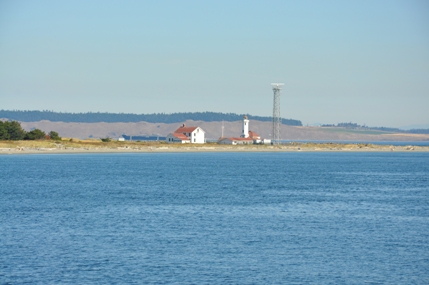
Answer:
(277, 119)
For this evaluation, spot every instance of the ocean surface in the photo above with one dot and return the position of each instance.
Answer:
(215, 218)
(394, 143)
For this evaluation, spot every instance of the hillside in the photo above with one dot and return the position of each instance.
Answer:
(214, 130)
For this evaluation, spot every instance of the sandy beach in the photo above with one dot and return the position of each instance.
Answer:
(70, 147)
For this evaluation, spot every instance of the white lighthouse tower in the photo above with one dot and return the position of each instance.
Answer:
(245, 133)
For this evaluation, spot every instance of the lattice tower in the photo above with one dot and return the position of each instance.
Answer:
(277, 119)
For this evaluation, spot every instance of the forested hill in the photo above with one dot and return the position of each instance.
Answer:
(35, 116)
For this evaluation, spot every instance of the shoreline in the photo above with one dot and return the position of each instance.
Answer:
(216, 148)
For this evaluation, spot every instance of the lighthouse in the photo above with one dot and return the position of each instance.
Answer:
(245, 133)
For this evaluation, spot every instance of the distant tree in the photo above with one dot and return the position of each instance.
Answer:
(106, 139)
(54, 136)
(418, 131)
(4, 135)
(35, 134)
(386, 129)
(348, 125)
(35, 116)
(14, 130)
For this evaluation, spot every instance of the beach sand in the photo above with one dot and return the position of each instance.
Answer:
(43, 147)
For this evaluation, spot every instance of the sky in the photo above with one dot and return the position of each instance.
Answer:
(360, 61)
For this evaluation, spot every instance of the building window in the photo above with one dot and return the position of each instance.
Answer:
(194, 140)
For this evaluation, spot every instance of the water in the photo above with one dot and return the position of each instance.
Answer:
(394, 143)
(215, 218)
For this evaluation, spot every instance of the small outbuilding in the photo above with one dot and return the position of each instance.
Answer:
(177, 138)
(235, 141)
(255, 137)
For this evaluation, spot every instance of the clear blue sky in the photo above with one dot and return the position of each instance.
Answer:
(360, 61)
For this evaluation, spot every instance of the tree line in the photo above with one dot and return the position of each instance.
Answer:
(351, 125)
(35, 116)
(12, 130)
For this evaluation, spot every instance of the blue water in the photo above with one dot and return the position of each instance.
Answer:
(215, 218)
(394, 143)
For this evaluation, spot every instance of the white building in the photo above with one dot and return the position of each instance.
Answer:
(186, 134)
(177, 138)
(247, 137)
(255, 137)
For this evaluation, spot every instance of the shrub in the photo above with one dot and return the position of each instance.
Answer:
(35, 134)
(54, 136)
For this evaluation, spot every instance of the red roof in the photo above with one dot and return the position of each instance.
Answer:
(180, 136)
(185, 129)
(240, 139)
(253, 135)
